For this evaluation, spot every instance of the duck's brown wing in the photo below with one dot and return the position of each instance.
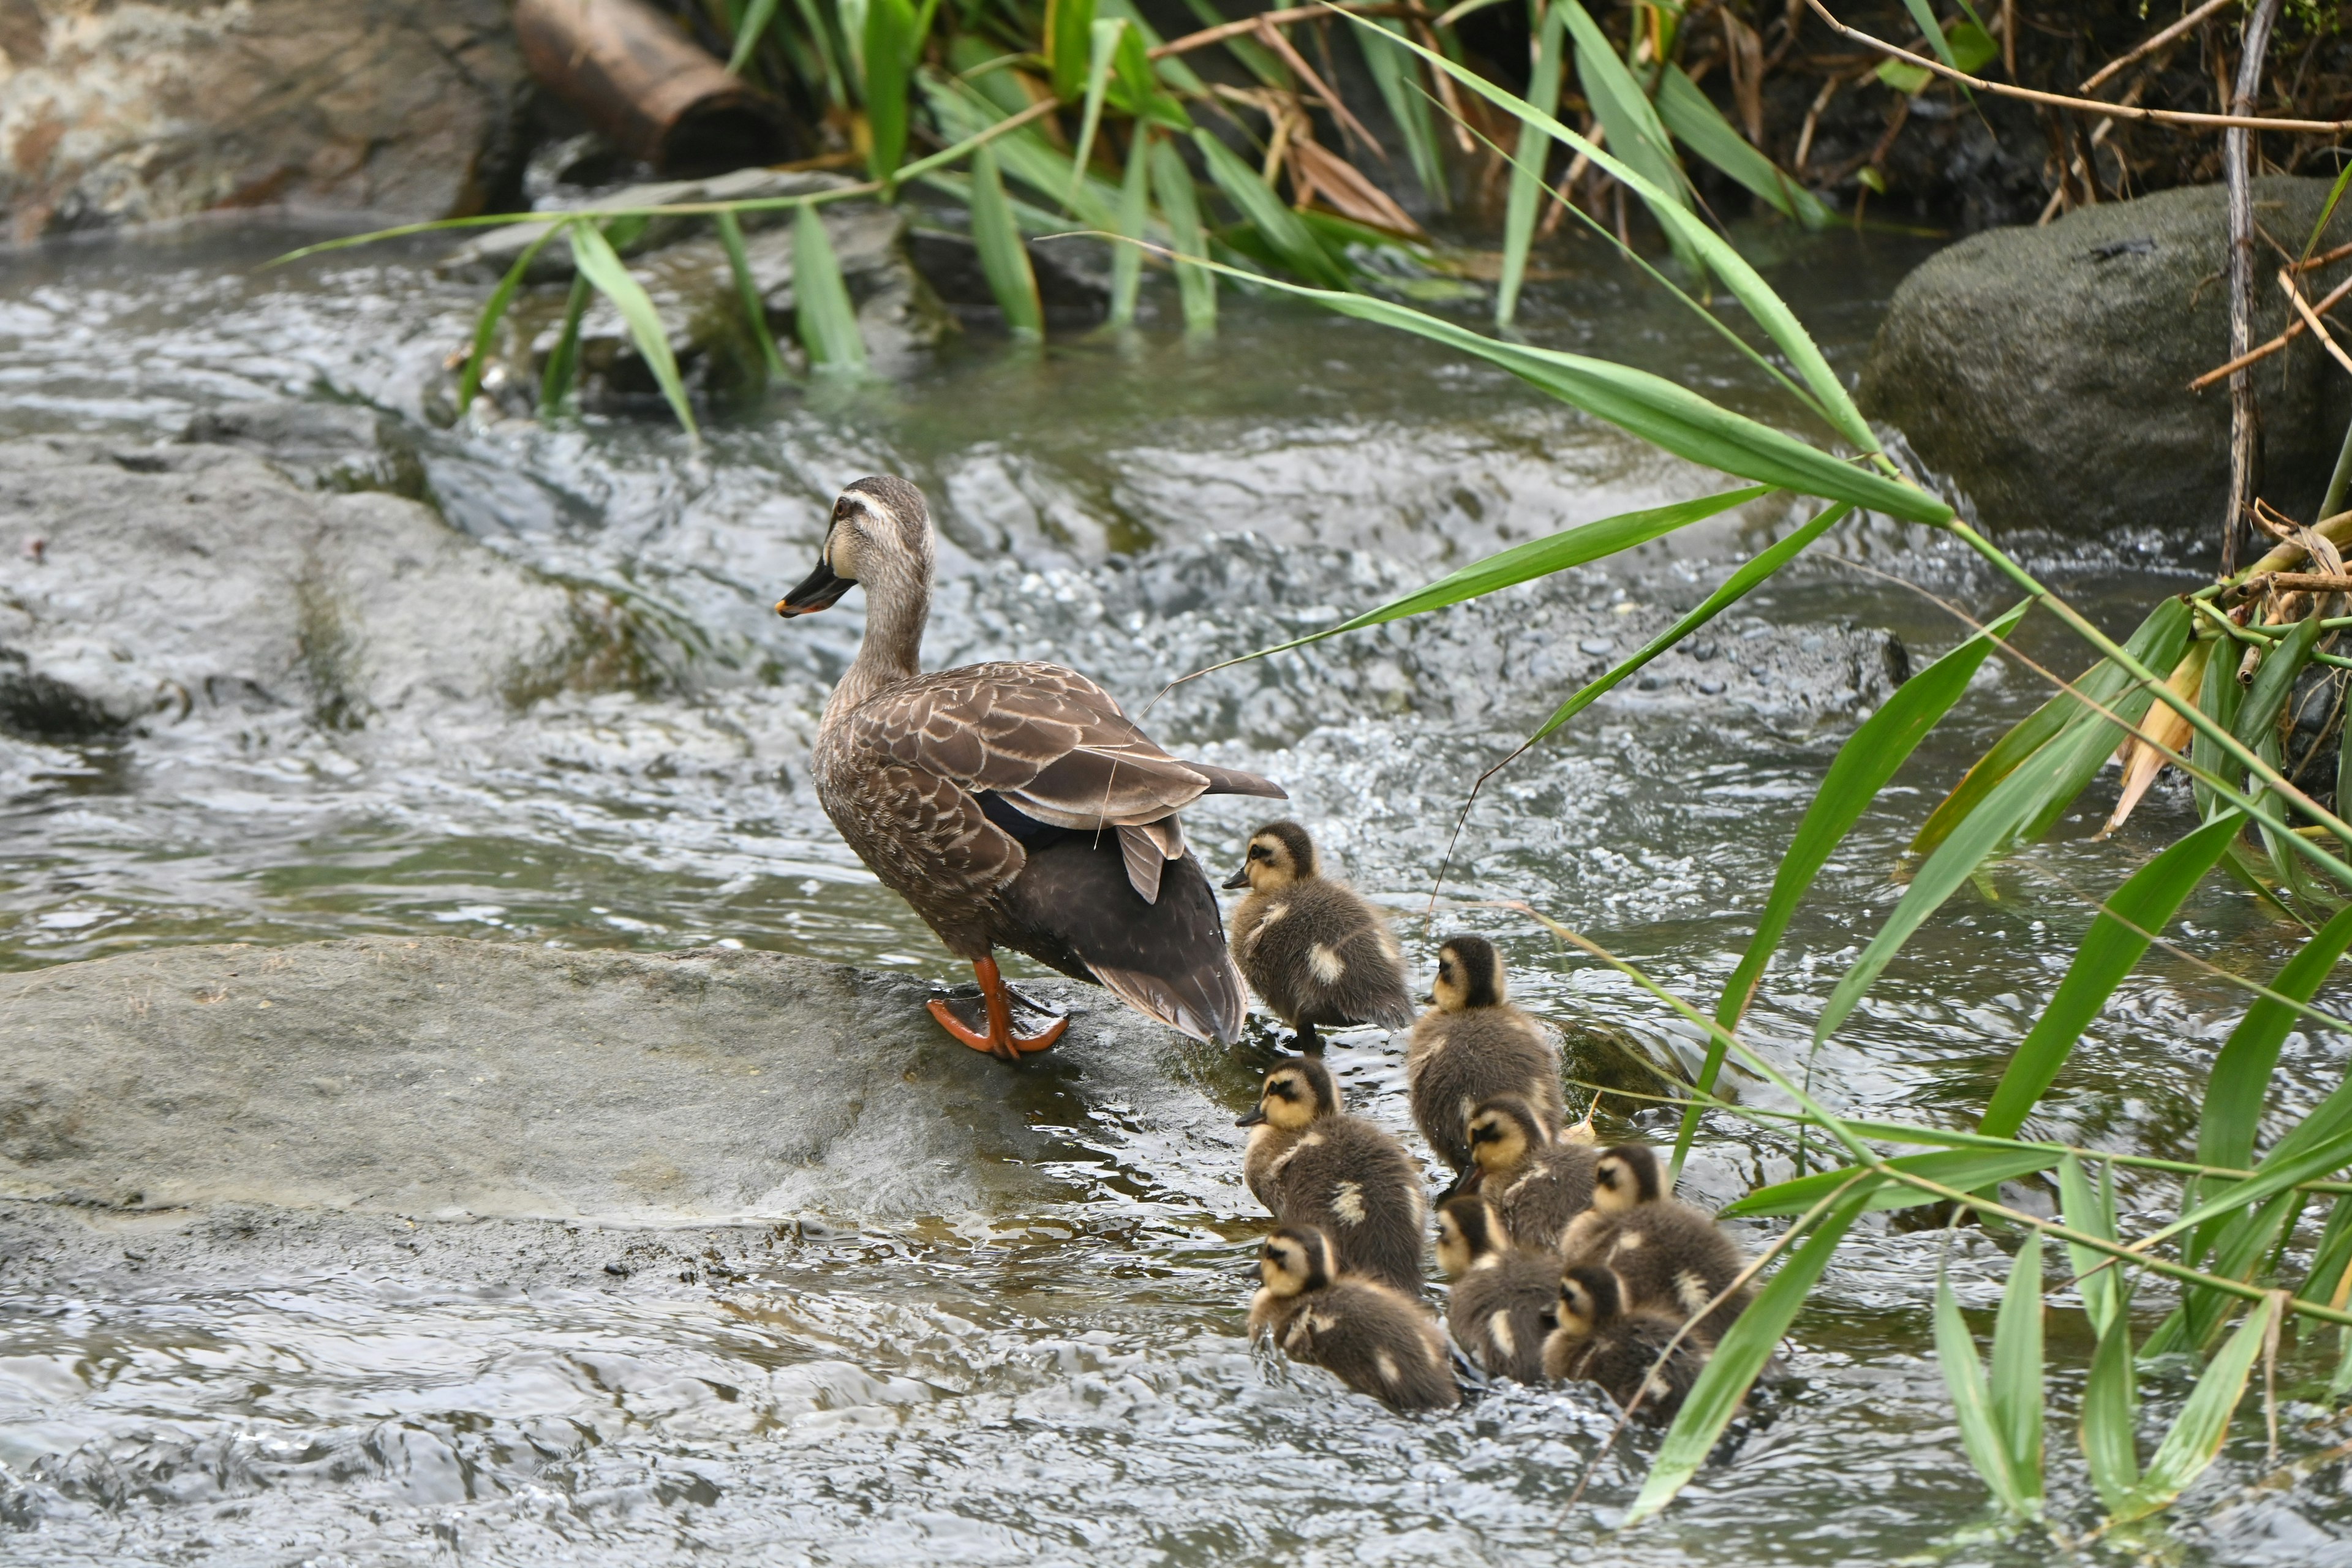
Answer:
(1054, 745)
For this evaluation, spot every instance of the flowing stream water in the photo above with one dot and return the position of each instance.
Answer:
(1069, 1382)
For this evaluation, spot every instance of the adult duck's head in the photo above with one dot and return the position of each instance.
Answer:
(881, 535)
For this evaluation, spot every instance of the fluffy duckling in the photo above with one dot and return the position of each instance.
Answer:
(1536, 1185)
(1501, 1304)
(1472, 1046)
(1377, 1341)
(1310, 1164)
(1671, 1256)
(1313, 950)
(1601, 1339)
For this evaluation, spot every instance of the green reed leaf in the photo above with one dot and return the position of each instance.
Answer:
(2240, 1081)
(1528, 184)
(2092, 1211)
(1004, 258)
(826, 319)
(1933, 30)
(562, 367)
(1633, 128)
(2110, 1413)
(2017, 1392)
(1282, 229)
(1169, 68)
(747, 289)
(1967, 1169)
(1972, 1407)
(1104, 56)
(2196, 1432)
(2054, 773)
(891, 46)
(494, 310)
(593, 255)
(1025, 155)
(2219, 698)
(2266, 699)
(1392, 72)
(1134, 214)
(2146, 902)
(1196, 280)
(1069, 35)
(1701, 127)
(1757, 297)
(748, 32)
(1722, 1386)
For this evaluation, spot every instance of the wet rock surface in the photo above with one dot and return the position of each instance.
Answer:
(442, 1078)
(2046, 371)
(135, 114)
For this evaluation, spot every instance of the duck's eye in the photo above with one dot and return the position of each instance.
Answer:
(1260, 852)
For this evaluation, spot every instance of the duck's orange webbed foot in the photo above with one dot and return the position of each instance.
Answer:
(1000, 1041)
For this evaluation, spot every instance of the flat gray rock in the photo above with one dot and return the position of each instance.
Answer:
(2046, 371)
(446, 1078)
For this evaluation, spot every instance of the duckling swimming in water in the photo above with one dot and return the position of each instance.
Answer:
(1314, 952)
(1536, 1185)
(1500, 1307)
(1376, 1341)
(1671, 1256)
(1311, 1163)
(1472, 1046)
(1601, 1339)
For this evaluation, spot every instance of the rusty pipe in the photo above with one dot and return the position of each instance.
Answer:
(648, 87)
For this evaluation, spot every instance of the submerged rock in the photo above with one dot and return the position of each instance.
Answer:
(154, 586)
(440, 1076)
(2046, 371)
(136, 113)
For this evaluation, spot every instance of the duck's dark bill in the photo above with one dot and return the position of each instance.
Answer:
(819, 591)
(1238, 880)
(1252, 1120)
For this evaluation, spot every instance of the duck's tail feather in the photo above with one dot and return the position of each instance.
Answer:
(1210, 1005)
(1395, 1011)
(1233, 781)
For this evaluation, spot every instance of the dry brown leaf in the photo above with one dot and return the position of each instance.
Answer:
(2143, 761)
(1344, 188)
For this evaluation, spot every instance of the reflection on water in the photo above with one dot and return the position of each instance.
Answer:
(1066, 1384)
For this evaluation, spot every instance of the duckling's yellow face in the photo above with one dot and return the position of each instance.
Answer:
(1469, 974)
(1624, 1178)
(1455, 1253)
(1288, 1101)
(1497, 1141)
(1284, 1264)
(1269, 864)
(1579, 1312)
(1450, 989)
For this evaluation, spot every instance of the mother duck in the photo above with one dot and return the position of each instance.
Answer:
(1012, 804)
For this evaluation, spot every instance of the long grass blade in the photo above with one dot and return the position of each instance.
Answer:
(2110, 1413)
(1169, 68)
(494, 310)
(2145, 903)
(2274, 681)
(2196, 1432)
(2240, 1081)
(2057, 771)
(1701, 127)
(562, 367)
(1527, 185)
(827, 322)
(2017, 1393)
(1105, 45)
(1632, 127)
(1753, 1338)
(1972, 1406)
(1004, 258)
(890, 49)
(1757, 297)
(964, 113)
(748, 32)
(593, 255)
(1400, 85)
(1196, 279)
(747, 289)
(2092, 1211)
(1069, 34)
(1134, 213)
(1280, 227)
(1968, 1169)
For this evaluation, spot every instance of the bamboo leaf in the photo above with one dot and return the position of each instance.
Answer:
(891, 45)
(593, 255)
(1723, 1384)
(2292, 1162)
(1195, 282)
(1758, 298)
(2054, 774)
(494, 309)
(964, 113)
(1981, 1434)
(2196, 1432)
(2110, 1409)
(1687, 112)
(1654, 408)
(2017, 1396)
(1069, 32)
(1003, 255)
(1169, 68)
(1632, 127)
(1967, 1169)
(748, 33)
(2146, 902)
(828, 325)
(2240, 1080)
(1528, 184)
(1400, 85)
(2274, 681)
(1934, 31)
(1290, 240)
(555, 378)
(2092, 1211)
(747, 289)
(1134, 213)
(1105, 45)
(2219, 698)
